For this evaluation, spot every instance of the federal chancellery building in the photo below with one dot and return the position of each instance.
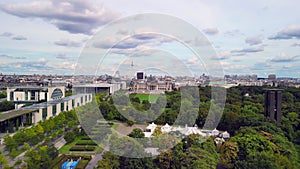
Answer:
(46, 102)
(26, 95)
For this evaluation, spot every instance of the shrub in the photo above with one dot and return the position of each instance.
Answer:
(69, 137)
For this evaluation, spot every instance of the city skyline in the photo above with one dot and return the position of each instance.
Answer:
(255, 37)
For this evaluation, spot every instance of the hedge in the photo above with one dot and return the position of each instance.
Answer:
(82, 148)
(86, 143)
(86, 138)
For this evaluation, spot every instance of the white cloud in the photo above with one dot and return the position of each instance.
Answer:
(254, 40)
(74, 16)
(19, 37)
(282, 57)
(252, 49)
(211, 31)
(68, 43)
(290, 32)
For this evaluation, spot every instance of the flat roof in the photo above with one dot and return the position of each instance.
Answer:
(33, 87)
(14, 113)
(95, 85)
(35, 107)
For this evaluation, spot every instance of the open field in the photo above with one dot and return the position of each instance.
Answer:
(150, 97)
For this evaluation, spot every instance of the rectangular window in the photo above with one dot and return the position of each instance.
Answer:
(44, 113)
(54, 110)
(73, 103)
(32, 95)
(81, 100)
(62, 107)
(26, 95)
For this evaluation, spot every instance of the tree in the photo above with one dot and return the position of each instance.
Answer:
(136, 163)
(26, 146)
(137, 133)
(164, 160)
(52, 152)
(196, 157)
(39, 130)
(229, 153)
(126, 146)
(69, 137)
(6, 105)
(38, 159)
(3, 94)
(261, 150)
(10, 143)
(109, 161)
(3, 160)
(157, 132)
(130, 122)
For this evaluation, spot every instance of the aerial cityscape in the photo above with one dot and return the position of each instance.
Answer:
(98, 84)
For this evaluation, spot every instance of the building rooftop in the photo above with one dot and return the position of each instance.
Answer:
(25, 110)
(14, 113)
(95, 85)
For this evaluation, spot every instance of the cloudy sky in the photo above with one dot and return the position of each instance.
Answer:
(249, 37)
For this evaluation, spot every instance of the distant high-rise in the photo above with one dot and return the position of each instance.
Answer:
(273, 101)
(140, 75)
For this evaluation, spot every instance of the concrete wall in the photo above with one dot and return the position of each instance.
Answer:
(37, 116)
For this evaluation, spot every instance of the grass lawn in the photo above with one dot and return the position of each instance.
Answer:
(150, 97)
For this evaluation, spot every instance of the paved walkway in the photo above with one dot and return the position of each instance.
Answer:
(94, 162)
(59, 143)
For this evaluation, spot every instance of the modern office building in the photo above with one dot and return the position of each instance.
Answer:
(109, 88)
(10, 121)
(26, 95)
(273, 104)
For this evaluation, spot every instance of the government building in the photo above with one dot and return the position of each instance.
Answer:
(35, 94)
(151, 84)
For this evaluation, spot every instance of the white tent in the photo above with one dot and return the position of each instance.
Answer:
(225, 135)
(215, 132)
(166, 128)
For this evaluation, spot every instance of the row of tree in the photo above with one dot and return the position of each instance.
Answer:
(37, 133)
